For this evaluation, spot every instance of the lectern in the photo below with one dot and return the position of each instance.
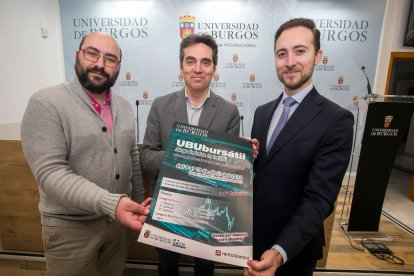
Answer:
(386, 123)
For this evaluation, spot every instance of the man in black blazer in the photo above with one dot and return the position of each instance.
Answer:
(300, 170)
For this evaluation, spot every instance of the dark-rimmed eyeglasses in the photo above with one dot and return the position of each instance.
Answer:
(93, 56)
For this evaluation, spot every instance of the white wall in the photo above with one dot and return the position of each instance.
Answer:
(393, 31)
(29, 62)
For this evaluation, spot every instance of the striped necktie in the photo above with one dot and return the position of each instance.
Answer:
(287, 104)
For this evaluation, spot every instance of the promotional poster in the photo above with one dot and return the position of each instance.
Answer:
(203, 200)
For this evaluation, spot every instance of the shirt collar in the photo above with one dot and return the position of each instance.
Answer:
(95, 104)
(299, 96)
(205, 98)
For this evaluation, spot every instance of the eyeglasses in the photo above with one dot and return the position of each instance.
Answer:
(93, 56)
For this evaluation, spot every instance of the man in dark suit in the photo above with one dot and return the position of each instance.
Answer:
(306, 144)
(197, 105)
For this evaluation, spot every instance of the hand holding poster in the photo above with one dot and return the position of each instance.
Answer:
(202, 202)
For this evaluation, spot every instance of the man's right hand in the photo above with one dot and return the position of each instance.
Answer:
(132, 214)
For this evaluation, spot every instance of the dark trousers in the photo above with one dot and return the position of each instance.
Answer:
(168, 265)
(301, 265)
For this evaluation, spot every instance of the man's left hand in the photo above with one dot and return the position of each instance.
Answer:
(267, 266)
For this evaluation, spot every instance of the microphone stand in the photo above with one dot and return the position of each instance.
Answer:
(137, 103)
(370, 98)
(242, 128)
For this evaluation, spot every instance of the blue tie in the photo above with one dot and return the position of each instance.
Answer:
(287, 103)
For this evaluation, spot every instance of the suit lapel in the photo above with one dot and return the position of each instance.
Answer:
(209, 111)
(306, 111)
(267, 118)
(180, 107)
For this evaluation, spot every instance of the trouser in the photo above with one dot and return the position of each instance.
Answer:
(169, 260)
(99, 249)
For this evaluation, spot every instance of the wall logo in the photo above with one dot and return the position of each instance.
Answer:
(339, 85)
(252, 83)
(324, 66)
(388, 121)
(127, 82)
(233, 97)
(145, 95)
(128, 76)
(252, 77)
(235, 64)
(217, 83)
(179, 83)
(235, 57)
(187, 25)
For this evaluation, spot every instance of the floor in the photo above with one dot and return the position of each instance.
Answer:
(396, 203)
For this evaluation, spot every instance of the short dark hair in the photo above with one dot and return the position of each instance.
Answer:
(301, 22)
(199, 38)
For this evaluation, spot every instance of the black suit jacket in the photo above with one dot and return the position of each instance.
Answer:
(296, 185)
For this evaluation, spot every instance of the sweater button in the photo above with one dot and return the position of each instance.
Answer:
(115, 150)
(117, 176)
(104, 129)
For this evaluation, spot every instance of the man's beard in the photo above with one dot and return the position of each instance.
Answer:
(92, 86)
(298, 84)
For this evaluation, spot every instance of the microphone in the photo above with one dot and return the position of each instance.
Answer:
(366, 76)
(137, 103)
(242, 128)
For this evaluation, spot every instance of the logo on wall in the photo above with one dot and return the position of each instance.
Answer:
(127, 82)
(187, 24)
(324, 66)
(179, 83)
(339, 86)
(216, 77)
(217, 83)
(128, 76)
(252, 77)
(235, 57)
(388, 121)
(252, 83)
(235, 64)
(145, 95)
(233, 97)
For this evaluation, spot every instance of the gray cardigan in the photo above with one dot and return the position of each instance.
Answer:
(82, 170)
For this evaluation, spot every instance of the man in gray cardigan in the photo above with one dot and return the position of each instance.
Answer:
(197, 105)
(79, 140)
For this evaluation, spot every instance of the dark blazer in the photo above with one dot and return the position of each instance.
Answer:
(296, 185)
(217, 114)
